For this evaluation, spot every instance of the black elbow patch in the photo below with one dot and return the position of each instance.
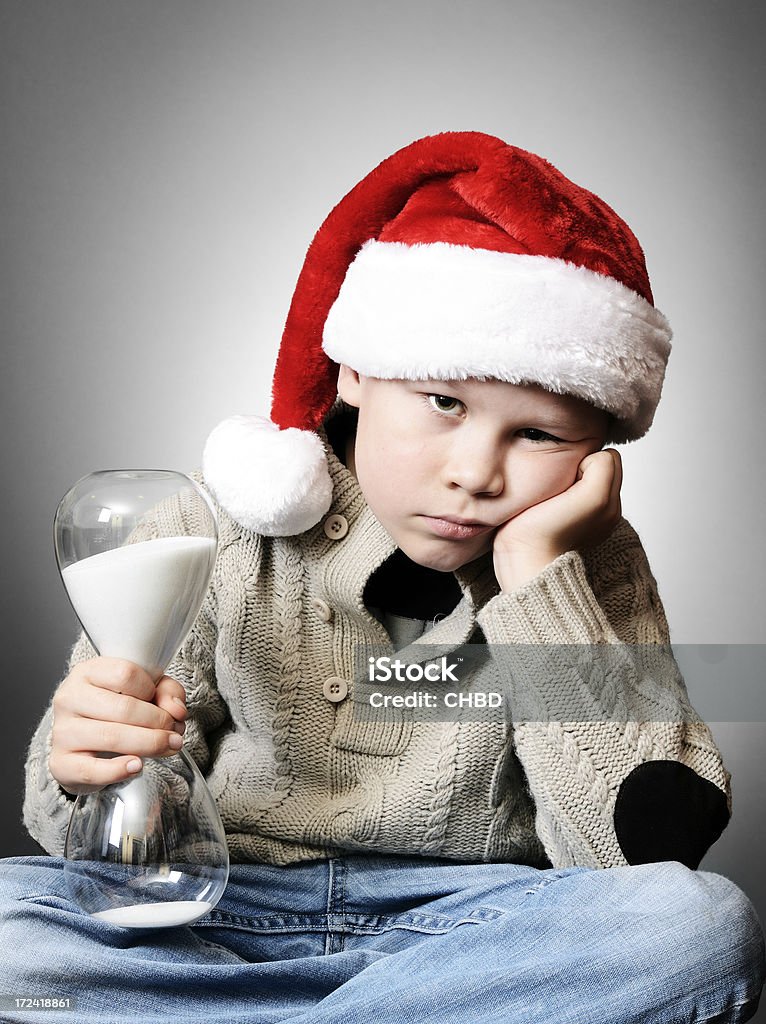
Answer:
(666, 811)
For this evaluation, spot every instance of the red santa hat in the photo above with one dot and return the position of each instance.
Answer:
(459, 256)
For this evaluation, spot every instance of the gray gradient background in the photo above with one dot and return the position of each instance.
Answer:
(165, 165)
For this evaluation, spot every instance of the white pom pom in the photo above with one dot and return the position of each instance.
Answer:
(275, 482)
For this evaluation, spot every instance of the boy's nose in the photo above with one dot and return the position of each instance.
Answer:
(481, 476)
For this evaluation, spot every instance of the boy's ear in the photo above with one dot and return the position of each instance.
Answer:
(349, 385)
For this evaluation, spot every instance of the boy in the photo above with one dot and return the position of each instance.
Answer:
(468, 331)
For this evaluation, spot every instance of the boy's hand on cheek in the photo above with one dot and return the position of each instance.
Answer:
(581, 516)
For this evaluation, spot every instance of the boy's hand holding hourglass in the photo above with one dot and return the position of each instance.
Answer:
(111, 705)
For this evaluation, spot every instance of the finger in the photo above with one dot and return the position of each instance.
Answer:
(85, 735)
(92, 702)
(118, 675)
(82, 773)
(599, 467)
(613, 509)
(616, 484)
(171, 696)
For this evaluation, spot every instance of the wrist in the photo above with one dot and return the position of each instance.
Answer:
(515, 570)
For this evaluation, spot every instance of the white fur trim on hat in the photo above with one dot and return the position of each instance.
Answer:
(275, 482)
(442, 311)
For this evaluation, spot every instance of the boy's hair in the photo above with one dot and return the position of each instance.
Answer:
(459, 256)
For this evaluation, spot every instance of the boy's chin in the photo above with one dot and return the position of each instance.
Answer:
(446, 560)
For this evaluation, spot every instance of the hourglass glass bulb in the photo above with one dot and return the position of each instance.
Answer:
(136, 550)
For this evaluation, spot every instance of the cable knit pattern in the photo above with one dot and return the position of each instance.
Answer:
(288, 592)
(581, 652)
(436, 828)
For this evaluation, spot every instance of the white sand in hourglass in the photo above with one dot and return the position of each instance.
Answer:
(136, 599)
(156, 915)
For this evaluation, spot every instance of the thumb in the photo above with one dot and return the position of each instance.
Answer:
(170, 696)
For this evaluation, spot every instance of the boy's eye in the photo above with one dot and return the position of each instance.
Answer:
(533, 434)
(445, 403)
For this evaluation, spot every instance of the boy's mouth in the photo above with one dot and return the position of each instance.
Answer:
(455, 528)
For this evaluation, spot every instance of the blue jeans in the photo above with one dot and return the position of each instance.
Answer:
(395, 940)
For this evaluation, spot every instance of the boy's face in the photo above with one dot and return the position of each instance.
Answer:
(442, 464)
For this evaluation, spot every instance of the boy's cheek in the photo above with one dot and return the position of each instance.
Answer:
(558, 479)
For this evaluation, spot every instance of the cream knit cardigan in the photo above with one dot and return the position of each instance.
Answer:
(296, 776)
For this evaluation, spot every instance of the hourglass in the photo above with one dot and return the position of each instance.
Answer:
(136, 551)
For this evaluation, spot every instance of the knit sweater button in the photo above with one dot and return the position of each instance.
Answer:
(335, 689)
(336, 527)
(322, 609)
